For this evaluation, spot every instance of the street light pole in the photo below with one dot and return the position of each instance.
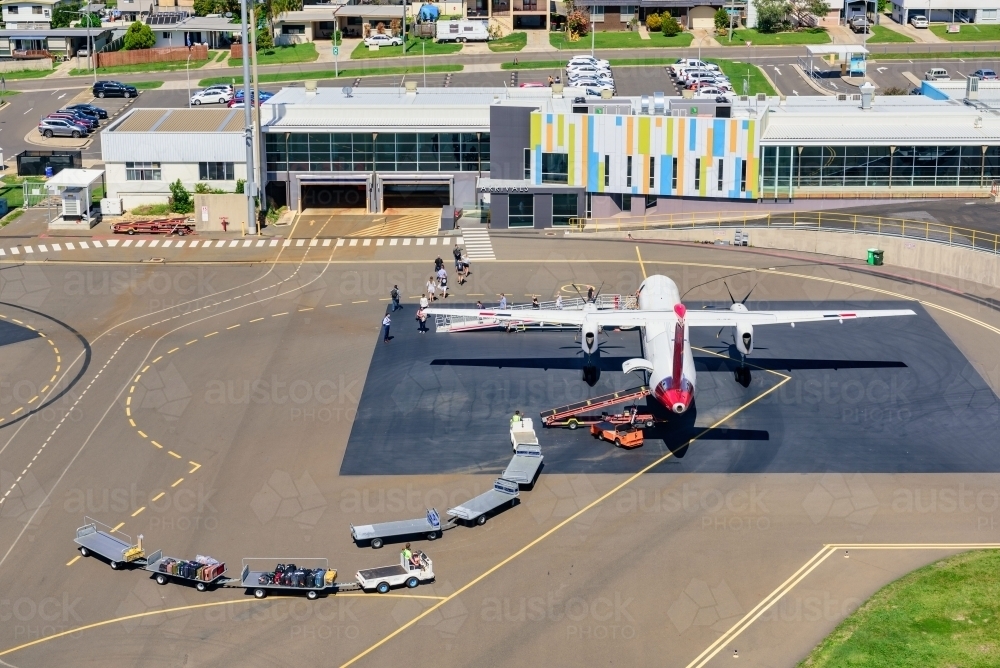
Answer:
(187, 68)
(249, 188)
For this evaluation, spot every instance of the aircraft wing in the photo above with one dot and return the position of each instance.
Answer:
(727, 318)
(606, 318)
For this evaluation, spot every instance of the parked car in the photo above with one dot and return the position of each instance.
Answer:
(691, 63)
(918, 21)
(211, 96)
(589, 59)
(89, 115)
(860, 24)
(72, 119)
(237, 101)
(587, 68)
(985, 75)
(60, 127)
(89, 121)
(101, 113)
(383, 40)
(114, 89)
(937, 74)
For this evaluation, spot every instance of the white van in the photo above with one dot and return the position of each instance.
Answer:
(462, 31)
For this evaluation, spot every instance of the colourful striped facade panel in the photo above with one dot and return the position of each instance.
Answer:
(598, 146)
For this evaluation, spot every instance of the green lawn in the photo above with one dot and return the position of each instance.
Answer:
(968, 32)
(881, 35)
(282, 55)
(222, 56)
(737, 73)
(620, 40)
(941, 615)
(351, 73)
(535, 65)
(171, 66)
(146, 85)
(512, 42)
(27, 74)
(12, 190)
(413, 48)
(808, 36)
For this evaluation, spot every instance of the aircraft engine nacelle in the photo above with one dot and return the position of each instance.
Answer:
(744, 338)
(590, 340)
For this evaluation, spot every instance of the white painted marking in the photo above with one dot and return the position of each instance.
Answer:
(776, 70)
(138, 244)
(313, 242)
(247, 243)
(393, 242)
(354, 242)
(795, 92)
(234, 243)
(180, 244)
(446, 241)
(274, 242)
(97, 244)
(340, 242)
(153, 243)
(167, 243)
(880, 70)
(326, 242)
(406, 242)
(260, 242)
(113, 242)
(69, 246)
(194, 244)
(42, 249)
(29, 249)
(288, 242)
(300, 242)
(56, 247)
(433, 241)
(26, 113)
(14, 251)
(380, 242)
(83, 244)
(367, 242)
(420, 241)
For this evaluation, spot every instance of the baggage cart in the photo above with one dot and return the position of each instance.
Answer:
(118, 549)
(255, 570)
(429, 526)
(524, 464)
(384, 578)
(164, 570)
(476, 509)
(522, 432)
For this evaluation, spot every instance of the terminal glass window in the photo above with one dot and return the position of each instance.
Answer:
(142, 171)
(555, 168)
(382, 151)
(564, 207)
(846, 167)
(216, 171)
(522, 211)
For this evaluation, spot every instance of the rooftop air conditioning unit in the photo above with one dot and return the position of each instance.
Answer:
(762, 97)
(855, 97)
(841, 97)
(644, 104)
(659, 103)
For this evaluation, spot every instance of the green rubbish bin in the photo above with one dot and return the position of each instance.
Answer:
(875, 256)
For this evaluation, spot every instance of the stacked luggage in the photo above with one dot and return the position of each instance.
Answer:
(289, 575)
(202, 568)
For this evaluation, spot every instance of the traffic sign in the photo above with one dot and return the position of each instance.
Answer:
(336, 50)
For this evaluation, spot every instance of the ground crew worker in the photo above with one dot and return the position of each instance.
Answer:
(516, 417)
(407, 555)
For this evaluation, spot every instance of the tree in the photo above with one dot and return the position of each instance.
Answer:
(653, 22)
(882, 5)
(64, 14)
(578, 23)
(205, 7)
(721, 19)
(670, 25)
(180, 199)
(806, 12)
(139, 36)
(265, 39)
(771, 14)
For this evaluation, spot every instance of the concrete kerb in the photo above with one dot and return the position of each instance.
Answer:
(903, 252)
(808, 79)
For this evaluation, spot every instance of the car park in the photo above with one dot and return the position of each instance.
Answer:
(90, 108)
(84, 125)
(104, 89)
(937, 74)
(60, 127)
(211, 96)
(89, 115)
(919, 21)
(383, 40)
(985, 74)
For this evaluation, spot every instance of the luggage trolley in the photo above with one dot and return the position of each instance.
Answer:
(118, 552)
(288, 578)
(476, 509)
(169, 568)
(428, 526)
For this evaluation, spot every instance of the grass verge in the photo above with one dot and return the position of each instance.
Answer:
(620, 40)
(151, 210)
(282, 55)
(744, 35)
(413, 48)
(882, 35)
(944, 614)
(11, 217)
(512, 42)
(147, 85)
(27, 74)
(172, 66)
(737, 73)
(330, 74)
(968, 32)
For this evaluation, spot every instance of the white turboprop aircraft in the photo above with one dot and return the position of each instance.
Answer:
(665, 321)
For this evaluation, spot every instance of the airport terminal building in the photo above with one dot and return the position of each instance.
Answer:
(539, 157)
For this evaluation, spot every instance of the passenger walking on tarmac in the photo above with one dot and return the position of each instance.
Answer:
(394, 293)
(457, 252)
(421, 320)
(479, 304)
(590, 294)
(534, 302)
(423, 301)
(438, 263)
(559, 302)
(503, 301)
(430, 289)
(442, 277)
(386, 321)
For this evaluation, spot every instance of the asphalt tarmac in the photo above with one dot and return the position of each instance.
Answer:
(208, 403)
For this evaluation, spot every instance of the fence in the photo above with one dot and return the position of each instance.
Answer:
(164, 55)
(800, 220)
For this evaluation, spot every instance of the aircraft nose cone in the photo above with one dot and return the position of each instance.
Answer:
(677, 400)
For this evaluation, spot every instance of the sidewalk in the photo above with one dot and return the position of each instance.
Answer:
(538, 42)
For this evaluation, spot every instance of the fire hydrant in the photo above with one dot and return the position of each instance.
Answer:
(225, 222)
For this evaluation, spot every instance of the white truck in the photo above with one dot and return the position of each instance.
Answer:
(384, 578)
(462, 31)
(522, 432)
